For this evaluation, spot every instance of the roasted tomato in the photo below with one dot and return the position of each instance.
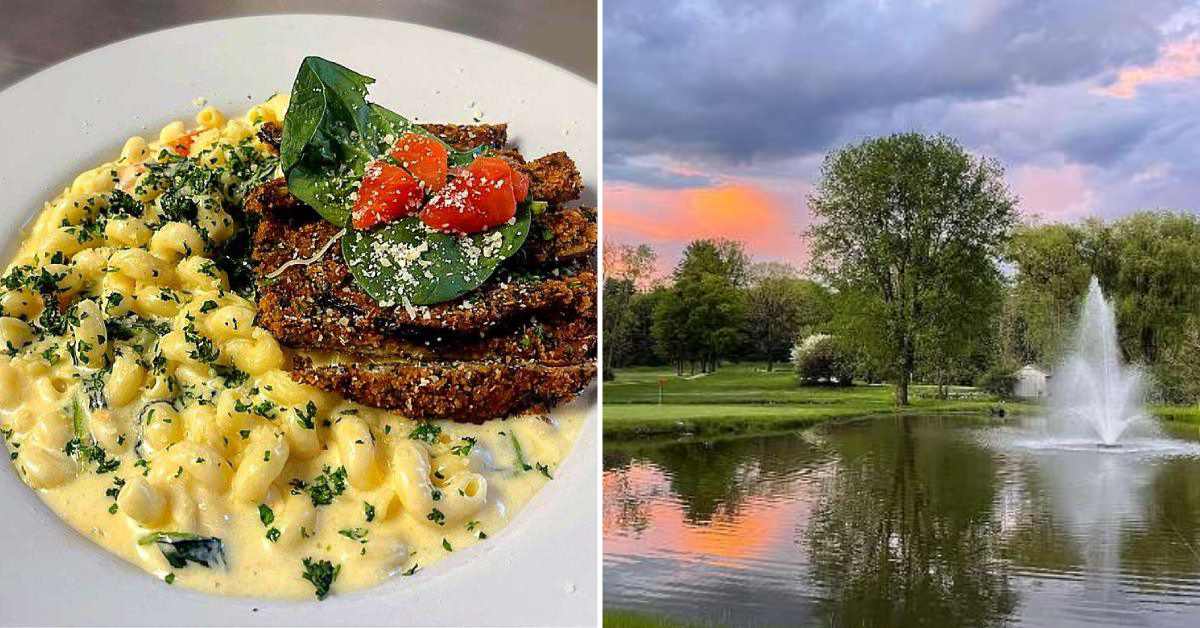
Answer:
(183, 144)
(424, 157)
(495, 168)
(520, 183)
(387, 193)
(480, 197)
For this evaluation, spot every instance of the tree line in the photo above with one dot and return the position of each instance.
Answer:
(920, 271)
(716, 305)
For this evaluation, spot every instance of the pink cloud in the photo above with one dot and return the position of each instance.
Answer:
(1177, 61)
(1055, 192)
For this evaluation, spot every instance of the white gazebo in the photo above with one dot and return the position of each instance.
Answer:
(1031, 382)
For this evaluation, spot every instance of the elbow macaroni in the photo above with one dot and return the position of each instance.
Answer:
(126, 355)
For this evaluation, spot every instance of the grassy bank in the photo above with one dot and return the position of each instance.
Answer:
(745, 398)
(629, 619)
(1179, 414)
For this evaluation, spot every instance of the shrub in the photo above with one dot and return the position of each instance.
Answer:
(821, 359)
(999, 380)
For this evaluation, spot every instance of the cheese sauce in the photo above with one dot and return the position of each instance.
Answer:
(145, 408)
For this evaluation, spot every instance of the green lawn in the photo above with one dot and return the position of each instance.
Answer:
(744, 397)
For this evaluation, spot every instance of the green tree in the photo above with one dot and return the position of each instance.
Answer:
(618, 293)
(900, 218)
(626, 269)
(775, 310)
(959, 343)
(1052, 276)
(633, 263)
(642, 347)
(1156, 286)
(725, 258)
(1177, 376)
(1148, 264)
(698, 321)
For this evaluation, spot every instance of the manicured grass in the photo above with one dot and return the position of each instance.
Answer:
(629, 619)
(745, 398)
(742, 398)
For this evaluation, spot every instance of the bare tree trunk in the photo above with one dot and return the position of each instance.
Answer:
(906, 369)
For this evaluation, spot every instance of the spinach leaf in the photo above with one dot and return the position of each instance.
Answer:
(330, 134)
(324, 147)
(406, 262)
(92, 387)
(179, 548)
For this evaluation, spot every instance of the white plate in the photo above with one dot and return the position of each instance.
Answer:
(542, 569)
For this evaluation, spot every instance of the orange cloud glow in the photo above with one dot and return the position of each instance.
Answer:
(1177, 61)
(755, 531)
(737, 211)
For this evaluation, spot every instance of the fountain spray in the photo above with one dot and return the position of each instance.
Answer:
(1093, 393)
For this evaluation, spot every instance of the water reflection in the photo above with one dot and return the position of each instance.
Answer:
(901, 538)
(938, 522)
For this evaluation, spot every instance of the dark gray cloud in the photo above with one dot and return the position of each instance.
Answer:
(713, 81)
(743, 78)
(619, 167)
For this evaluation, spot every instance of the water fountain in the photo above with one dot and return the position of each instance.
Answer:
(1093, 394)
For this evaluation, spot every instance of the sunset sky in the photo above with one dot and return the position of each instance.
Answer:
(717, 114)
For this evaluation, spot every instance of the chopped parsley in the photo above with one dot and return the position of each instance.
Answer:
(520, 454)
(325, 487)
(265, 514)
(426, 432)
(231, 375)
(205, 351)
(115, 490)
(321, 574)
(264, 408)
(464, 447)
(355, 534)
(307, 415)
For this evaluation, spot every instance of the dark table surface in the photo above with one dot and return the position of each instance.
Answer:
(35, 34)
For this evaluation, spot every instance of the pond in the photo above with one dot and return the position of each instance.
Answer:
(916, 521)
